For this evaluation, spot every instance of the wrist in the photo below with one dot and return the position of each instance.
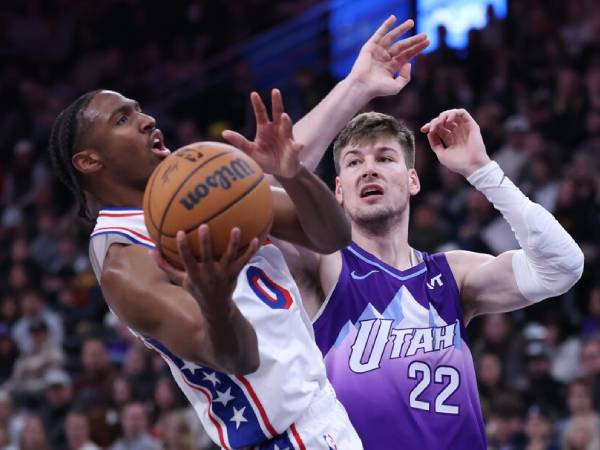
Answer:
(292, 175)
(489, 174)
(357, 89)
(475, 167)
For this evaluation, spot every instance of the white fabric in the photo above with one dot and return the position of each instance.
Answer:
(291, 375)
(550, 261)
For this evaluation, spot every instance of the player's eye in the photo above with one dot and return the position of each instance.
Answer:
(386, 159)
(122, 120)
(352, 163)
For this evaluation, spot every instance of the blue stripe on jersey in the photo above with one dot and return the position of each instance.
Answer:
(131, 238)
(229, 402)
(121, 209)
(389, 272)
(281, 442)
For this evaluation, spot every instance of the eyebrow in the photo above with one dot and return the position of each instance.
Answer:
(378, 149)
(129, 104)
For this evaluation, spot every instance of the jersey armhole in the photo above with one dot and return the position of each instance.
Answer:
(332, 291)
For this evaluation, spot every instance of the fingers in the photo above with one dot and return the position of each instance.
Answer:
(396, 32)
(435, 142)
(260, 110)
(205, 244)
(276, 105)
(232, 247)
(239, 141)
(449, 119)
(407, 43)
(240, 262)
(383, 29)
(187, 257)
(408, 53)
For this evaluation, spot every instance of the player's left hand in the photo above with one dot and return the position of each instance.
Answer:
(382, 66)
(456, 140)
(274, 148)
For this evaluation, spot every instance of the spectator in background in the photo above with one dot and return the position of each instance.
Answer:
(33, 436)
(10, 420)
(582, 433)
(137, 371)
(134, 422)
(34, 309)
(591, 321)
(77, 430)
(539, 430)
(8, 353)
(178, 433)
(580, 403)
(59, 398)
(489, 379)
(27, 380)
(505, 424)
(590, 364)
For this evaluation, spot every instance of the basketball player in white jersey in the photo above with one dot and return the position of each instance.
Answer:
(233, 332)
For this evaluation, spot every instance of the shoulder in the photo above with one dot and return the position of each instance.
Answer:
(461, 262)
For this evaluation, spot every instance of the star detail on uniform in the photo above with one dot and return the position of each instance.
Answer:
(277, 448)
(238, 416)
(212, 378)
(188, 365)
(224, 397)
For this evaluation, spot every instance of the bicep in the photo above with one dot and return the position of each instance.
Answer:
(487, 283)
(144, 299)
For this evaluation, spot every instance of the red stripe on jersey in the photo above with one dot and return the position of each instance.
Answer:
(301, 445)
(135, 233)
(208, 397)
(110, 214)
(210, 416)
(258, 404)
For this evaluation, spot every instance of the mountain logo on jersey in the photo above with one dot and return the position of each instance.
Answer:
(271, 294)
(377, 335)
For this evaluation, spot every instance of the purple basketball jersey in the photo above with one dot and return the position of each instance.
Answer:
(396, 353)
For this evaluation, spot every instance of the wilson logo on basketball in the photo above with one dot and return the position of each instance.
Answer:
(223, 178)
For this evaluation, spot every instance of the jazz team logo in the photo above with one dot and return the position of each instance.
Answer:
(273, 295)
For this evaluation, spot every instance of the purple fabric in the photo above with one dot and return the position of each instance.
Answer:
(395, 349)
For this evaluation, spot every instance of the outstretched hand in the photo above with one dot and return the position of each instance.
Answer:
(383, 64)
(274, 148)
(209, 280)
(456, 140)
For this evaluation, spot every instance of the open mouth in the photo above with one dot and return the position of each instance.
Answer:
(371, 190)
(158, 145)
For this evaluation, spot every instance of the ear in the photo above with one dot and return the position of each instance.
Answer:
(339, 196)
(414, 185)
(87, 161)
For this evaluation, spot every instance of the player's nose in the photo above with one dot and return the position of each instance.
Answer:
(147, 123)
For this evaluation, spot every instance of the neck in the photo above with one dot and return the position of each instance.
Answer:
(115, 195)
(387, 240)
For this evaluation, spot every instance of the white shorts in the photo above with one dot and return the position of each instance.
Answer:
(323, 426)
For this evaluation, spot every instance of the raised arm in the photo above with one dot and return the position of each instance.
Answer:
(549, 262)
(381, 68)
(196, 317)
(306, 212)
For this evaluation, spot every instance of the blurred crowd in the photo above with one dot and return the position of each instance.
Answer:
(72, 377)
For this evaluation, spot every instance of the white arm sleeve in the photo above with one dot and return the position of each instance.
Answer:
(549, 262)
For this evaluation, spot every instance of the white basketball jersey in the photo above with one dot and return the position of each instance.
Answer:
(239, 411)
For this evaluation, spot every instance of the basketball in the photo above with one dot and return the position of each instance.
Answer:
(206, 183)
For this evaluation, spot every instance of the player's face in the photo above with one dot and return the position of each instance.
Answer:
(374, 183)
(124, 139)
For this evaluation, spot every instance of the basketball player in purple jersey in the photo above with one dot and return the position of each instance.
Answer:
(390, 320)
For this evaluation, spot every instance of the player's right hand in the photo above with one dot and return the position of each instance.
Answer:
(209, 280)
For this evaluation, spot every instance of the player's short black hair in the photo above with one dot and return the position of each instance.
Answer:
(65, 139)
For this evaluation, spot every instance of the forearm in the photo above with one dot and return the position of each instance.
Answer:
(321, 218)
(231, 339)
(317, 129)
(550, 261)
